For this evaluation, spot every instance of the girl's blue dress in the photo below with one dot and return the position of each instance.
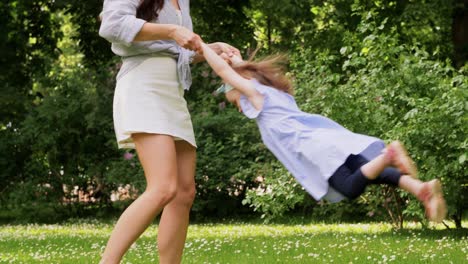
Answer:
(310, 146)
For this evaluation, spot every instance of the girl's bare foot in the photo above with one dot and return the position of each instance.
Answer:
(401, 159)
(434, 203)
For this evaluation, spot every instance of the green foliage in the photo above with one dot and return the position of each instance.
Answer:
(276, 193)
(28, 38)
(84, 15)
(276, 23)
(380, 68)
(436, 128)
(221, 20)
(393, 91)
(66, 140)
(227, 150)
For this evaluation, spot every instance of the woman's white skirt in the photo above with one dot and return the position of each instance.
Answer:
(149, 99)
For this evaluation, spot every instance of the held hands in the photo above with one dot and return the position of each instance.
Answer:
(187, 39)
(227, 52)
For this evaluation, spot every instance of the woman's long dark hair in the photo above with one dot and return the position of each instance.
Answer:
(148, 9)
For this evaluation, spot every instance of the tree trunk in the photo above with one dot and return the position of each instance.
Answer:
(269, 32)
(460, 32)
(458, 216)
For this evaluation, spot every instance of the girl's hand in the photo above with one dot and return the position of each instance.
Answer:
(186, 38)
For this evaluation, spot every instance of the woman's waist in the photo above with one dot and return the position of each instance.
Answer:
(154, 58)
(180, 63)
(145, 48)
(150, 67)
(160, 55)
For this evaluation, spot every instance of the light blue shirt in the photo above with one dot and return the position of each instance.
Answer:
(310, 146)
(120, 26)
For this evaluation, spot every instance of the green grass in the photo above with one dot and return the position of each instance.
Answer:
(82, 242)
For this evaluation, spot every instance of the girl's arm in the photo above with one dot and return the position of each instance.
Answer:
(231, 77)
(219, 48)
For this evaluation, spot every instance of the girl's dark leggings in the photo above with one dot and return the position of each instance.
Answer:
(349, 180)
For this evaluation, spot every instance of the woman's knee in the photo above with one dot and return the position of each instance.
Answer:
(162, 195)
(186, 195)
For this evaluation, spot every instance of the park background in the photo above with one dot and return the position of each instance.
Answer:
(390, 69)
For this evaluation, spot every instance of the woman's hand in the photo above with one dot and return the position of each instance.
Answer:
(181, 35)
(186, 38)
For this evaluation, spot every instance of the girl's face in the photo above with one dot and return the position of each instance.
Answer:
(233, 96)
(235, 58)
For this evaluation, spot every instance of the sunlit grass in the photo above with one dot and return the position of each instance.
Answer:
(82, 242)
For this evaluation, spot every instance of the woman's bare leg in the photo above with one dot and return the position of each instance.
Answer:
(157, 154)
(175, 217)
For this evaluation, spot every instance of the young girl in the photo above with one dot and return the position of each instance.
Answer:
(328, 160)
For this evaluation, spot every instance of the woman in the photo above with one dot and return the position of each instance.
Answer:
(156, 42)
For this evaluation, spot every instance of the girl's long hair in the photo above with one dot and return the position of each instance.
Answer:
(270, 71)
(148, 9)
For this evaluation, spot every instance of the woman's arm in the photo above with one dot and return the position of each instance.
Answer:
(224, 70)
(120, 25)
(118, 21)
(184, 37)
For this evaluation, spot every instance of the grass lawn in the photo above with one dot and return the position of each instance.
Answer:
(237, 242)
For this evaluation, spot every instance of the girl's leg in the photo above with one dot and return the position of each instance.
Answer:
(348, 179)
(157, 154)
(429, 193)
(352, 178)
(372, 169)
(402, 160)
(394, 155)
(175, 217)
